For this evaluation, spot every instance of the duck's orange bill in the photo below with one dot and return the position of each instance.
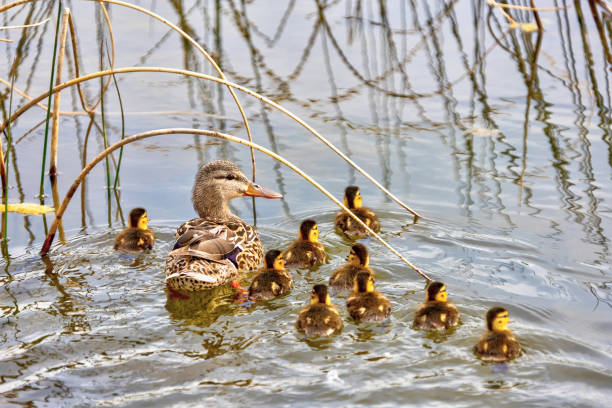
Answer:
(255, 190)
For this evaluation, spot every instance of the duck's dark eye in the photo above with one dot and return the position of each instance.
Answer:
(230, 177)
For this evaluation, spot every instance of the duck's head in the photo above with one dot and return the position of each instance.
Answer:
(319, 295)
(309, 231)
(352, 197)
(364, 282)
(359, 255)
(436, 291)
(138, 218)
(497, 318)
(274, 260)
(218, 182)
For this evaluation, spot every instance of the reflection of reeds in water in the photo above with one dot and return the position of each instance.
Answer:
(384, 73)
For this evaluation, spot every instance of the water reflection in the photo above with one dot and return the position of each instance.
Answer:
(501, 136)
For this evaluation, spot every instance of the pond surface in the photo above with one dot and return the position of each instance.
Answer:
(499, 140)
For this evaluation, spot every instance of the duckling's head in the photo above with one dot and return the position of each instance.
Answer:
(309, 231)
(352, 197)
(218, 182)
(138, 218)
(320, 295)
(364, 282)
(497, 318)
(436, 291)
(359, 255)
(274, 260)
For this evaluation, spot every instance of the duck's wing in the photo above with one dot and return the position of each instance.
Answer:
(206, 240)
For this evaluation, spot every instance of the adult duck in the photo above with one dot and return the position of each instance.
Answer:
(216, 247)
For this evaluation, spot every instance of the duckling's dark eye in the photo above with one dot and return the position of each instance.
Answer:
(230, 177)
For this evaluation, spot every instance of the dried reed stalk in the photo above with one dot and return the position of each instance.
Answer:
(205, 54)
(56, 99)
(58, 216)
(262, 98)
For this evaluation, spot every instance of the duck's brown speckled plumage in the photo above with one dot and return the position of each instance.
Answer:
(134, 240)
(366, 303)
(305, 254)
(320, 317)
(136, 237)
(346, 224)
(319, 320)
(343, 278)
(218, 246)
(368, 307)
(306, 251)
(435, 315)
(497, 346)
(273, 279)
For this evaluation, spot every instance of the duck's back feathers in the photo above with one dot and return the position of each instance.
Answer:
(133, 240)
(270, 283)
(368, 306)
(346, 224)
(497, 346)
(343, 278)
(319, 320)
(208, 254)
(304, 254)
(434, 315)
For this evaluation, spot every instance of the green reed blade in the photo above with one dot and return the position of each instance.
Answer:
(44, 159)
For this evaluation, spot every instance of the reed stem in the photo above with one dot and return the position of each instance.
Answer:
(44, 159)
(49, 240)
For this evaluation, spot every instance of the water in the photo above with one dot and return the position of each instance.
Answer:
(514, 195)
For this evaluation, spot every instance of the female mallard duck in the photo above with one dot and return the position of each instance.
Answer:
(366, 303)
(320, 318)
(346, 224)
(216, 247)
(306, 251)
(273, 279)
(358, 259)
(137, 237)
(437, 312)
(498, 343)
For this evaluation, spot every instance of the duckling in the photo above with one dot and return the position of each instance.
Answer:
(366, 303)
(346, 224)
(306, 251)
(273, 279)
(137, 237)
(498, 343)
(437, 312)
(320, 318)
(343, 278)
(216, 247)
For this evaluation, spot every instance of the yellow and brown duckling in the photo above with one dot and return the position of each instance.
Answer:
(346, 224)
(498, 343)
(320, 318)
(216, 247)
(437, 313)
(366, 303)
(137, 237)
(273, 280)
(306, 251)
(343, 279)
